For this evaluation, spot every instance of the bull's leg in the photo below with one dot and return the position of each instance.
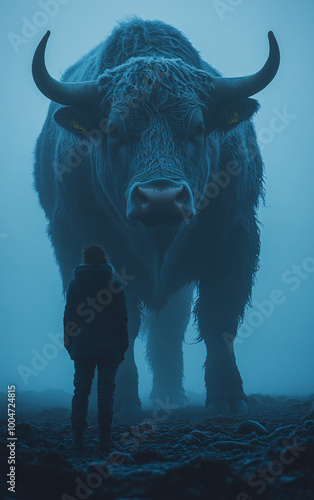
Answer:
(224, 385)
(223, 294)
(164, 347)
(127, 401)
(222, 378)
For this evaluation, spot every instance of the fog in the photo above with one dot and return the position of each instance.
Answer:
(275, 347)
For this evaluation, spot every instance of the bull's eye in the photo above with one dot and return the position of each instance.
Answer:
(197, 132)
(116, 137)
(114, 134)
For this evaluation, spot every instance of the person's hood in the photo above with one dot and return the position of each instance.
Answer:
(93, 274)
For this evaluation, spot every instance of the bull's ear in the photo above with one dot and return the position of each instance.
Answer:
(72, 119)
(231, 114)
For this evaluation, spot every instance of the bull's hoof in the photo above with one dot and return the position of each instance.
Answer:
(232, 407)
(239, 407)
(219, 407)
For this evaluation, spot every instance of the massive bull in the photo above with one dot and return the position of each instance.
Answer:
(148, 151)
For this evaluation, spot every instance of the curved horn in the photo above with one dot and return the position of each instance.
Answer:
(228, 89)
(77, 94)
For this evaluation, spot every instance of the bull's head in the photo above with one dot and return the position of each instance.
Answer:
(158, 113)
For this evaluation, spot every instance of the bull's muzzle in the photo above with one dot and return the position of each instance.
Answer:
(160, 202)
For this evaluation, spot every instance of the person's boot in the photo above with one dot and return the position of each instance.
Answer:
(77, 443)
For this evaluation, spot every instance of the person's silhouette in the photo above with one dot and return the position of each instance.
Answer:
(95, 334)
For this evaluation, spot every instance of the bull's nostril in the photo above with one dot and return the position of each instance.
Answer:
(141, 196)
(182, 195)
(160, 202)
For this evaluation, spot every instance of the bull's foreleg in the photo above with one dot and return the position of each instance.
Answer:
(223, 294)
(222, 378)
(127, 401)
(224, 385)
(164, 347)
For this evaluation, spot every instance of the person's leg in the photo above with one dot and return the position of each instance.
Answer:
(83, 378)
(105, 388)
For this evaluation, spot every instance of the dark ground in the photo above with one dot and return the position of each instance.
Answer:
(177, 454)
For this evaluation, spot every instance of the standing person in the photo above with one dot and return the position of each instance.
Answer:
(95, 334)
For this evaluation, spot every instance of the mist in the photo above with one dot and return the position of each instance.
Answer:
(275, 346)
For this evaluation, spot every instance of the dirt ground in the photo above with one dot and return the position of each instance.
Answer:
(165, 453)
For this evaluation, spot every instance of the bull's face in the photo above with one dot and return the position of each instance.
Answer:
(158, 114)
(155, 161)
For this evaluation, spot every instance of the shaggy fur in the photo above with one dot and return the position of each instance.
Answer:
(151, 77)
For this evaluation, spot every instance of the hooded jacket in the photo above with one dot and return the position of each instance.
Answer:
(95, 315)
